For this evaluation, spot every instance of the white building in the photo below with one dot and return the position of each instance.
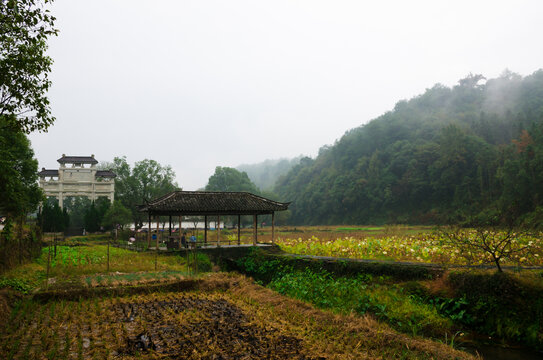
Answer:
(78, 176)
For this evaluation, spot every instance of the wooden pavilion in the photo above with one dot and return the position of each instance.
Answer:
(211, 204)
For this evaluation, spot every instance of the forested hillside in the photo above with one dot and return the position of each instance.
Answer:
(441, 157)
(265, 174)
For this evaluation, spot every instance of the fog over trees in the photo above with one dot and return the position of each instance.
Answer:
(445, 156)
(266, 173)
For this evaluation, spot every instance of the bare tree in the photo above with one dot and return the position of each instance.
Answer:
(494, 242)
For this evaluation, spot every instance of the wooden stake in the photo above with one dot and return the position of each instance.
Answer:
(239, 229)
(108, 247)
(48, 264)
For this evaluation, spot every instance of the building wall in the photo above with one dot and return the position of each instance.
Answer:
(78, 181)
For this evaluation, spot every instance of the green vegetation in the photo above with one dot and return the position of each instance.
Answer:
(231, 315)
(148, 180)
(230, 179)
(359, 228)
(363, 294)
(24, 107)
(472, 247)
(265, 174)
(52, 218)
(24, 65)
(445, 156)
(82, 261)
(19, 191)
(501, 306)
(117, 214)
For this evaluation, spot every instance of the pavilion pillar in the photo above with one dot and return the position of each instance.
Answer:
(273, 227)
(156, 249)
(205, 229)
(180, 221)
(170, 228)
(218, 230)
(239, 229)
(255, 235)
(149, 232)
(157, 230)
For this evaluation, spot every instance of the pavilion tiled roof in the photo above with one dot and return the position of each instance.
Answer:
(48, 172)
(211, 203)
(77, 160)
(105, 173)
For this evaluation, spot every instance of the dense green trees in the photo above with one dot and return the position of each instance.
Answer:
(145, 181)
(24, 107)
(52, 218)
(441, 157)
(117, 214)
(95, 213)
(19, 191)
(265, 174)
(230, 179)
(24, 66)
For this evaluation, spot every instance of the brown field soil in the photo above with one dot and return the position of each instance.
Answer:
(221, 316)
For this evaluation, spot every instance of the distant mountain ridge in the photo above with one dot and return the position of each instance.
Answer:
(450, 153)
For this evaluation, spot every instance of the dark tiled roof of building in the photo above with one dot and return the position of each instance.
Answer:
(105, 173)
(212, 203)
(77, 160)
(48, 172)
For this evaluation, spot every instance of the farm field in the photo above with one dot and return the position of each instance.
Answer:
(134, 311)
(84, 263)
(401, 243)
(226, 316)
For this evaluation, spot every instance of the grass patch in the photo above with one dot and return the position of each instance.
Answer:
(361, 292)
(363, 295)
(87, 266)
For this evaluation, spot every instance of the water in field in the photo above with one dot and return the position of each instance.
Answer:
(494, 352)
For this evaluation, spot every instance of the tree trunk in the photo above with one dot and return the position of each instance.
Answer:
(497, 261)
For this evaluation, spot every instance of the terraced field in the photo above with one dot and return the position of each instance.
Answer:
(223, 316)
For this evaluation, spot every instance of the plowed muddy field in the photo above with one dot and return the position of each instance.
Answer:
(225, 317)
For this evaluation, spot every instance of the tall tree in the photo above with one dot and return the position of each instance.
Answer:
(19, 191)
(25, 26)
(146, 181)
(94, 214)
(117, 214)
(52, 217)
(230, 179)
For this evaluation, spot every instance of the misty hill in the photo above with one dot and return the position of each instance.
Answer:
(265, 174)
(450, 153)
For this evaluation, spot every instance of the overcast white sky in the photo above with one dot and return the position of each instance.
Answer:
(199, 84)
